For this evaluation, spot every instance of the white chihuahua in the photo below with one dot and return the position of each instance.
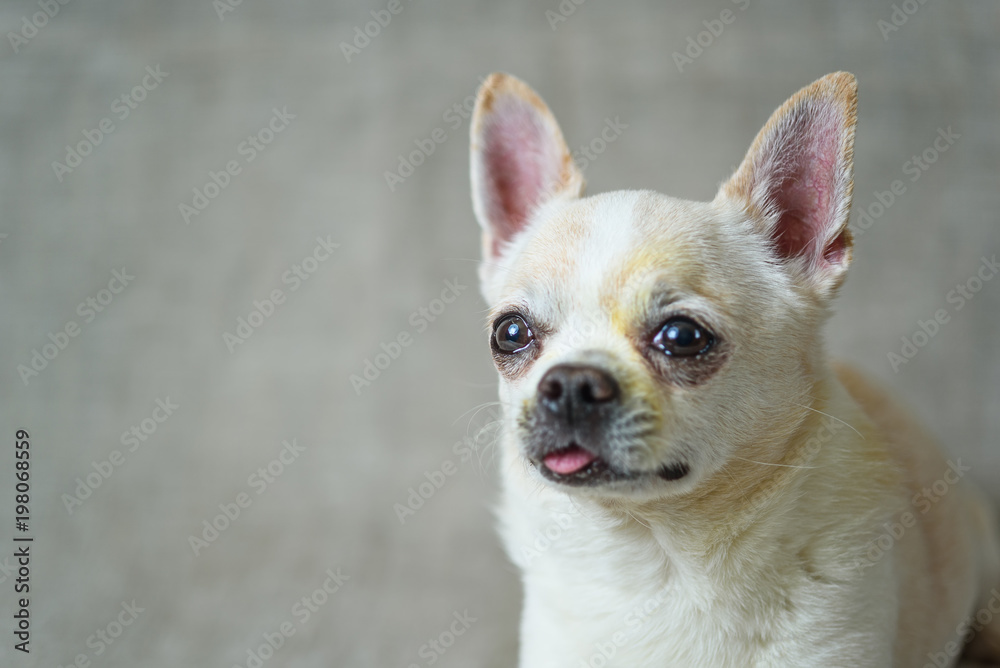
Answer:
(688, 482)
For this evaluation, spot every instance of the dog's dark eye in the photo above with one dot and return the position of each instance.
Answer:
(683, 337)
(512, 334)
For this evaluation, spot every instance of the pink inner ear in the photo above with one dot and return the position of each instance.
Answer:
(804, 186)
(521, 163)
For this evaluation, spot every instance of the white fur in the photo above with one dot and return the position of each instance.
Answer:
(760, 556)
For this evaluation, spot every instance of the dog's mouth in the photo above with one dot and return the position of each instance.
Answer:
(569, 461)
(578, 466)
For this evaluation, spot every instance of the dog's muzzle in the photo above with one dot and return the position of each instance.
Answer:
(571, 434)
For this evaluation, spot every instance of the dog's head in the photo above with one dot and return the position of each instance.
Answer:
(646, 343)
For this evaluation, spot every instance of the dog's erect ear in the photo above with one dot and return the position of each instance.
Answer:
(519, 160)
(797, 178)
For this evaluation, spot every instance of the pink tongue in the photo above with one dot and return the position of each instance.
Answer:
(569, 461)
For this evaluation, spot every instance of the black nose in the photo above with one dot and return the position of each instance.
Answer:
(574, 391)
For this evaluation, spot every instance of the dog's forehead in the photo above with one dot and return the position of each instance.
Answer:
(596, 251)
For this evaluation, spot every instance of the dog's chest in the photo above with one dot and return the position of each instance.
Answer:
(595, 597)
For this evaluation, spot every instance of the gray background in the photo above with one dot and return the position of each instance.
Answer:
(324, 175)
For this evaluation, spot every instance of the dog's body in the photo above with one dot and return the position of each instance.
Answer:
(687, 481)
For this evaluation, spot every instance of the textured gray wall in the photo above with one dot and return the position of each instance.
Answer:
(331, 507)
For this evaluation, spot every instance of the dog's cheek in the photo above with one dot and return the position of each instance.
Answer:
(702, 422)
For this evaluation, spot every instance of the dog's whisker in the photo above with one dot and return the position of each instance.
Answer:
(790, 466)
(476, 408)
(486, 448)
(491, 428)
(737, 483)
(493, 452)
(480, 452)
(496, 418)
(629, 513)
(832, 417)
